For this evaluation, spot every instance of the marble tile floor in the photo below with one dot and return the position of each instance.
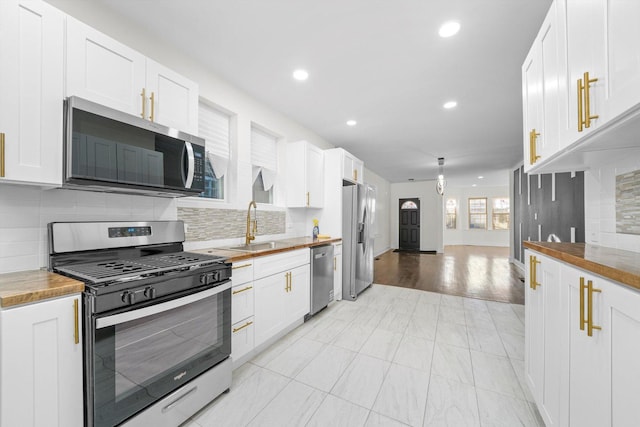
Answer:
(394, 357)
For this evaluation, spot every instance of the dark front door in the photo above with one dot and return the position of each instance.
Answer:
(409, 237)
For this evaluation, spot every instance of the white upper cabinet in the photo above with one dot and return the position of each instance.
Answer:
(31, 92)
(589, 76)
(352, 168)
(622, 34)
(585, 67)
(173, 99)
(305, 169)
(110, 73)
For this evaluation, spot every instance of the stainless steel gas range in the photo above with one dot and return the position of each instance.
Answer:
(157, 320)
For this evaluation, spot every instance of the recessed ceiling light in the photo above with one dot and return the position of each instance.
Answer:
(480, 177)
(450, 104)
(301, 75)
(473, 185)
(351, 123)
(449, 28)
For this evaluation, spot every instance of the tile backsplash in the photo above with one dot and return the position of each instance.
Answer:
(25, 212)
(628, 203)
(205, 224)
(600, 205)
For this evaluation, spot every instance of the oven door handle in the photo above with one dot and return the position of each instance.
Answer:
(128, 316)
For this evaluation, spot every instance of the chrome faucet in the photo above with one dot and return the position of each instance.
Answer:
(252, 226)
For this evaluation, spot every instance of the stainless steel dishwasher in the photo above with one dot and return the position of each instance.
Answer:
(321, 277)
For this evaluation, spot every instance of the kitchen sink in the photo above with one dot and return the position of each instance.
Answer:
(257, 247)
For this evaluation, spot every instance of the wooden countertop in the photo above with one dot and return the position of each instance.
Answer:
(615, 264)
(284, 245)
(30, 286)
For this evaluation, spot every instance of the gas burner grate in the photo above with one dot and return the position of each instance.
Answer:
(106, 271)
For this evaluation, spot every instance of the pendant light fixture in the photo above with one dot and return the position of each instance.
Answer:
(440, 183)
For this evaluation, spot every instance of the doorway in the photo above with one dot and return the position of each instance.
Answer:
(409, 232)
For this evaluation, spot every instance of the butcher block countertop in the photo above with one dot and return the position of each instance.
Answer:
(615, 264)
(284, 245)
(30, 286)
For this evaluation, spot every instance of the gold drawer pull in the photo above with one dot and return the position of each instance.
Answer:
(2, 155)
(76, 321)
(242, 327)
(590, 325)
(235, 267)
(583, 321)
(241, 290)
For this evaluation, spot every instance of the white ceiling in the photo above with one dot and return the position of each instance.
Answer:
(380, 62)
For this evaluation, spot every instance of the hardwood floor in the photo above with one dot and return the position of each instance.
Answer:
(482, 272)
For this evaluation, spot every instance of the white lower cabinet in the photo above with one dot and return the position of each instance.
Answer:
(283, 296)
(242, 341)
(337, 271)
(41, 364)
(542, 335)
(242, 309)
(582, 346)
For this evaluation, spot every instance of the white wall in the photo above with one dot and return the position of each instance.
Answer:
(600, 205)
(430, 212)
(381, 225)
(462, 235)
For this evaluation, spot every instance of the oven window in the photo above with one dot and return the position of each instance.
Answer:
(139, 361)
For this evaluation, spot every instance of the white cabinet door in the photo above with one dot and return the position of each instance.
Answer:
(173, 99)
(586, 358)
(542, 336)
(242, 338)
(337, 272)
(305, 169)
(242, 302)
(270, 306)
(298, 297)
(622, 308)
(352, 168)
(105, 71)
(314, 163)
(585, 53)
(532, 104)
(31, 88)
(623, 55)
(41, 364)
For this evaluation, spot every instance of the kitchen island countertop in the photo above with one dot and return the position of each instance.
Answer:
(615, 264)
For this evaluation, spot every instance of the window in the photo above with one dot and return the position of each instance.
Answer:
(264, 160)
(451, 209)
(478, 213)
(500, 214)
(409, 204)
(214, 127)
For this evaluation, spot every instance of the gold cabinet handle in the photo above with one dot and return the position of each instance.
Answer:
(533, 151)
(583, 321)
(241, 290)
(1, 155)
(355, 174)
(307, 198)
(286, 282)
(153, 106)
(143, 94)
(580, 119)
(587, 100)
(590, 325)
(242, 327)
(236, 267)
(535, 273)
(289, 281)
(76, 321)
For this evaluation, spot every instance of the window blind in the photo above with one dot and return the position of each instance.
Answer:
(214, 127)
(264, 156)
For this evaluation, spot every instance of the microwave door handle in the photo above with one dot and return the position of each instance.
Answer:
(187, 176)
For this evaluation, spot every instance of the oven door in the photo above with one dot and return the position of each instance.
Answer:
(144, 354)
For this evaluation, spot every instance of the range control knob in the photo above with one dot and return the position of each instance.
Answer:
(208, 278)
(150, 292)
(128, 297)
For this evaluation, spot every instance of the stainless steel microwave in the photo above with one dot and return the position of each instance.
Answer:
(108, 150)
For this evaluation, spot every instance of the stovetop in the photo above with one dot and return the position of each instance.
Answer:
(101, 272)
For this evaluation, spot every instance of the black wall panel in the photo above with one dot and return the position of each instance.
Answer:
(540, 210)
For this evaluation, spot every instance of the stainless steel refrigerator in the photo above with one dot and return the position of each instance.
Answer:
(358, 209)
